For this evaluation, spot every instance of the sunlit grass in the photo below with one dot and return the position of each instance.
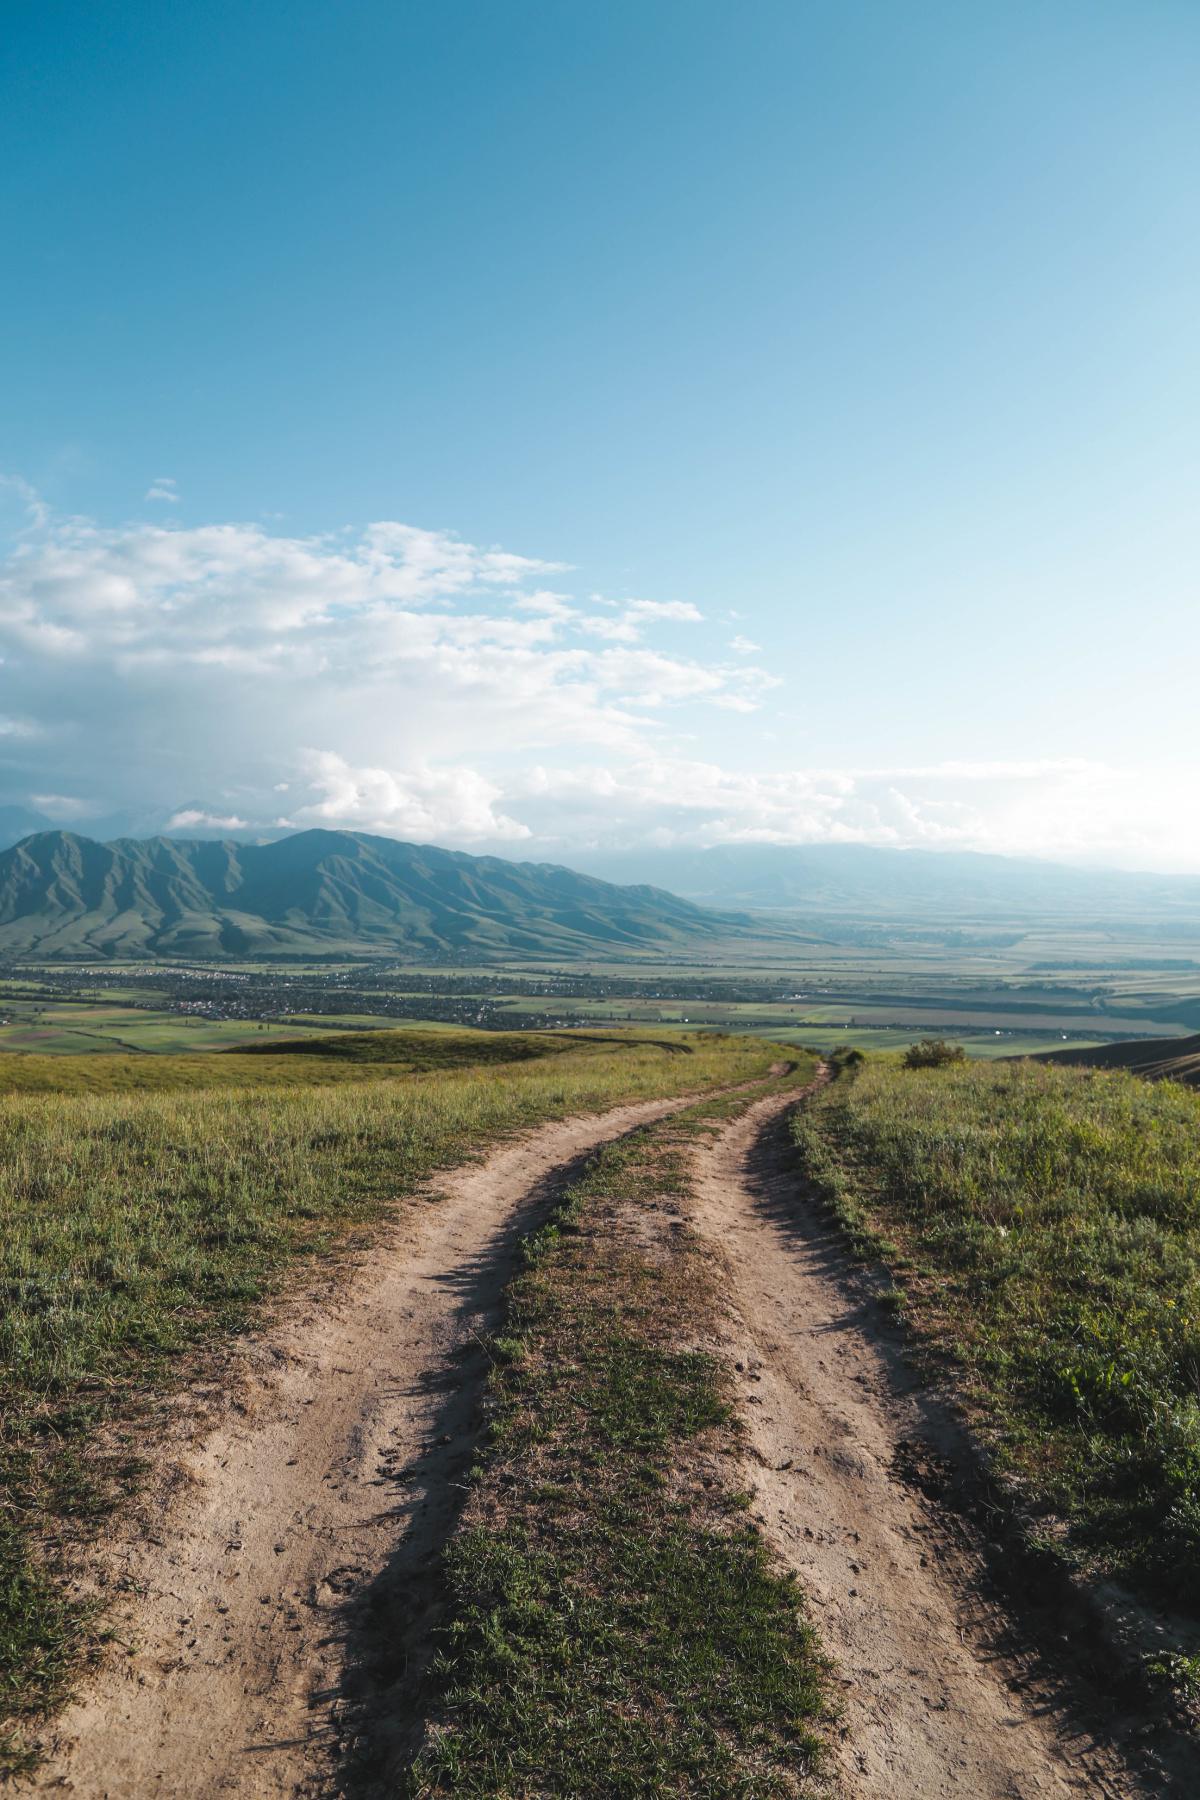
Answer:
(313, 1061)
(1046, 1224)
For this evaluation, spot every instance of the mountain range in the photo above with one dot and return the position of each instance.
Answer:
(322, 893)
(327, 892)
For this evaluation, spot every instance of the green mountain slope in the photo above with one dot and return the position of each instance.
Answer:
(321, 892)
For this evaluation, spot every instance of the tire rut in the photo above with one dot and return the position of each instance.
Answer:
(934, 1701)
(279, 1587)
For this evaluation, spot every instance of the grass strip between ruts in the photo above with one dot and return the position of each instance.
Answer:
(616, 1626)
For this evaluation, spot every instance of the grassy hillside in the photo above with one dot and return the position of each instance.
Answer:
(1156, 1059)
(136, 1229)
(412, 1049)
(324, 892)
(1045, 1222)
(330, 1059)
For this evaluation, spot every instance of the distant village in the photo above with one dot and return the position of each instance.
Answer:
(388, 992)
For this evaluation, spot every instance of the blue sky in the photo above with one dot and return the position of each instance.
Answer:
(865, 332)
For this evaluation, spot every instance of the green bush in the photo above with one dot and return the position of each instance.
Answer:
(933, 1053)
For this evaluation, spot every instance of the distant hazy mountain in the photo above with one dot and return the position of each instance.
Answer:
(837, 879)
(320, 892)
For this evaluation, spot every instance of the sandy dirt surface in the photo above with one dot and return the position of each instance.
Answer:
(277, 1592)
(936, 1703)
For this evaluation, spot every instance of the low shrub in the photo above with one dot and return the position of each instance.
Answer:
(933, 1053)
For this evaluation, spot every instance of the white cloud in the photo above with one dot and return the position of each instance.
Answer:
(60, 806)
(422, 802)
(633, 617)
(159, 660)
(28, 511)
(614, 631)
(549, 604)
(163, 487)
(1062, 809)
(681, 612)
(189, 818)
(406, 681)
(647, 678)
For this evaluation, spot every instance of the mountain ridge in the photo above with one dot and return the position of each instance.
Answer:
(63, 895)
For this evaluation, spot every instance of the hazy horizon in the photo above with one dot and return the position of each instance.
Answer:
(590, 858)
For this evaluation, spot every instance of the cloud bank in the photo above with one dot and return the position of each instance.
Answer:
(229, 677)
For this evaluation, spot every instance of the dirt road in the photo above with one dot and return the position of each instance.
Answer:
(281, 1591)
(933, 1707)
(276, 1599)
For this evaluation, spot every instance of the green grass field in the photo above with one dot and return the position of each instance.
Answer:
(81, 1028)
(1044, 1226)
(138, 1228)
(986, 1045)
(87, 1027)
(323, 1060)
